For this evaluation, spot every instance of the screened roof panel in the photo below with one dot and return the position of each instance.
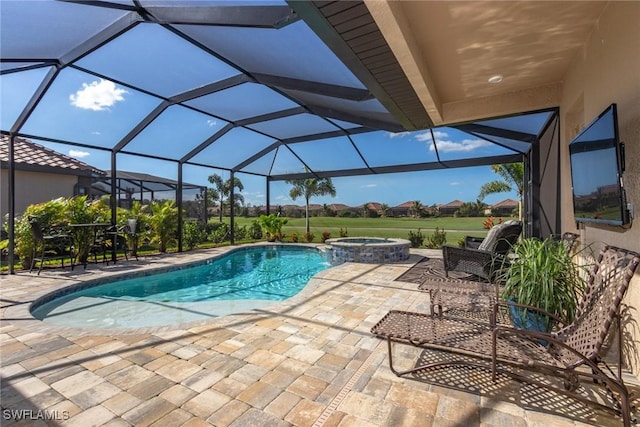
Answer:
(262, 165)
(175, 133)
(387, 149)
(512, 144)
(6, 66)
(286, 162)
(28, 28)
(452, 144)
(231, 104)
(82, 108)
(328, 154)
(345, 125)
(141, 53)
(293, 51)
(292, 126)
(232, 148)
(17, 89)
(529, 123)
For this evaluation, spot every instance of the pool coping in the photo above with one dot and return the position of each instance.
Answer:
(49, 289)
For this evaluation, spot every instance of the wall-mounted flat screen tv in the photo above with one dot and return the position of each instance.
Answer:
(596, 157)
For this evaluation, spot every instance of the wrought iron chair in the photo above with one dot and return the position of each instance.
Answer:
(49, 246)
(479, 256)
(509, 351)
(115, 238)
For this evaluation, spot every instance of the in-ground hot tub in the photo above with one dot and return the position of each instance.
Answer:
(372, 250)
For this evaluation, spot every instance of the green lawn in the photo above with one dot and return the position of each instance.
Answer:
(456, 228)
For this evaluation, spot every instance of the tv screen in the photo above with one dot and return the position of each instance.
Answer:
(598, 195)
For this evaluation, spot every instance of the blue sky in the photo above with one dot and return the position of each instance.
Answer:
(95, 112)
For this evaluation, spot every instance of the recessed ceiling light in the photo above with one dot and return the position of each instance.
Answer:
(495, 79)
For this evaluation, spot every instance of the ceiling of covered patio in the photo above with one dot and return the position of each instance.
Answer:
(280, 89)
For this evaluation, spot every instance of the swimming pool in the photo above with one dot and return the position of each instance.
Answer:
(237, 281)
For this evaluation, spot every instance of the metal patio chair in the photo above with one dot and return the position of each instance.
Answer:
(51, 245)
(479, 256)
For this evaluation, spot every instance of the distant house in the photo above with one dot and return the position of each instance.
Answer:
(450, 208)
(403, 209)
(504, 208)
(41, 174)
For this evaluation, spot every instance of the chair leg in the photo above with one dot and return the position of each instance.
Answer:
(33, 258)
(41, 258)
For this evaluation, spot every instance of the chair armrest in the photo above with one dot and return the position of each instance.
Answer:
(529, 308)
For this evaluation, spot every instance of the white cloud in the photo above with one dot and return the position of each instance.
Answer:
(211, 122)
(446, 145)
(454, 183)
(426, 136)
(369, 186)
(78, 153)
(461, 146)
(397, 134)
(97, 95)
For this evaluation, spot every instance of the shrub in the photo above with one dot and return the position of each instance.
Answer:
(240, 233)
(325, 235)
(294, 237)
(220, 232)
(255, 231)
(437, 239)
(416, 238)
(343, 233)
(272, 225)
(309, 237)
(164, 222)
(192, 234)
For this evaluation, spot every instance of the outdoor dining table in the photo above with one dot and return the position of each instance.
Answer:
(95, 227)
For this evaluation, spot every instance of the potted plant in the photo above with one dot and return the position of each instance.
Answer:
(543, 274)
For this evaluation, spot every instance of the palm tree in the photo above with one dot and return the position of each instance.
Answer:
(308, 188)
(384, 209)
(223, 190)
(512, 179)
(416, 207)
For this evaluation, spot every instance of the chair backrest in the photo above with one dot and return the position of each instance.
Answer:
(606, 285)
(501, 237)
(36, 229)
(132, 226)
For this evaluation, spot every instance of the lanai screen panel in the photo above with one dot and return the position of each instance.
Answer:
(82, 108)
(175, 132)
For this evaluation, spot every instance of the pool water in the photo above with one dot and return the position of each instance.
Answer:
(238, 281)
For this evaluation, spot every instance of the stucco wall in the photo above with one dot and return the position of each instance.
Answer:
(608, 71)
(35, 187)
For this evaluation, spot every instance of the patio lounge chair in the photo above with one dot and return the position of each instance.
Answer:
(479, 256)
(574, 350)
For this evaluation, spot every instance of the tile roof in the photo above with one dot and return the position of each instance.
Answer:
(29, 153)
(506, 203)
(454, 204)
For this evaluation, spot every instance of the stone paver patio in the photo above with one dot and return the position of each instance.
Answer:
(307, 361)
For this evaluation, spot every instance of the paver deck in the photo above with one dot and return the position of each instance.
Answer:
(307, 361)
